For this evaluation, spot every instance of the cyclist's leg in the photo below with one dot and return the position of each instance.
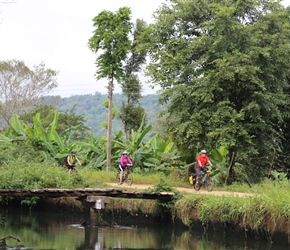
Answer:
(70, 168)
(198, 174)
(121, 174)
(74, 169)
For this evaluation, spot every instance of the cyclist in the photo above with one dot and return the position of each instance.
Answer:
(124, 162)
(70, 161)
(201, 160)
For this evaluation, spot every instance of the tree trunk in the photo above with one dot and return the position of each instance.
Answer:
(109, 131)
(231, 166)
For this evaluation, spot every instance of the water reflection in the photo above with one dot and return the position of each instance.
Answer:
(64, 231)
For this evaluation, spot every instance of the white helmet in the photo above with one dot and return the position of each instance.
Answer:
(125, 153)
(203, 151)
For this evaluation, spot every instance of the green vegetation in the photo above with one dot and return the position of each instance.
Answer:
(223, 72)
(266, 208)
(95, 113)
(223, 69)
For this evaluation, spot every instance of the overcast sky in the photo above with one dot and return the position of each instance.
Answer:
(56, 32)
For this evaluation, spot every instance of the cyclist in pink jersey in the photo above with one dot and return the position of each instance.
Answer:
(124, 162)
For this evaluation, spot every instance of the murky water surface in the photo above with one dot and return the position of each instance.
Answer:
(55, 231)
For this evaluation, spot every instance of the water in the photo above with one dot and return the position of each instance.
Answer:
(63, 231)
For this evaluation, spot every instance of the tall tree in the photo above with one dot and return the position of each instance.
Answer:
(111, 37)
(223, 66)
(131, 112)
(21, 86)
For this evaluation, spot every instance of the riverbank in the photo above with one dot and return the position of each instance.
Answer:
(226, 208)
(264, 211)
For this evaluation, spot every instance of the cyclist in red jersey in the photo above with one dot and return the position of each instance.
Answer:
(201, 160)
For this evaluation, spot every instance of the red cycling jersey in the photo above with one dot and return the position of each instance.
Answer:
(203, 160)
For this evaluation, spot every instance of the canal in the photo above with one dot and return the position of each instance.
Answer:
(63, 230)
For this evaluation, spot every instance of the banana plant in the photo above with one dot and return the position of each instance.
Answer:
(5, 141)
(163, 156)
(46, 140)
(219, 158)
(135, 145)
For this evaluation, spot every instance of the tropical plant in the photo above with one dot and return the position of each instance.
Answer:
(149, 155)
(46, 140)
(111, 36)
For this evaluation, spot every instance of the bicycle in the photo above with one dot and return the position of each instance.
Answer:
(74, 168)
(205, 181)
(127, 175)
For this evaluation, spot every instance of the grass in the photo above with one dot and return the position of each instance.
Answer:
(269, 208)
(99, 178)
(94, 176)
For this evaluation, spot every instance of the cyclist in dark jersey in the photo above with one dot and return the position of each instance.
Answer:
(71, 161)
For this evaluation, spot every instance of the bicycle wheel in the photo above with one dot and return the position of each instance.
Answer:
(129, 179)
(208, 184)
(197, 186)
(118, 177)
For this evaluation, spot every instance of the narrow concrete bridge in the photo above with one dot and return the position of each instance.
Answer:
(84, 193)
(92, 199)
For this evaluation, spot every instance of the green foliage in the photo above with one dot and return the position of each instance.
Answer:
(91, 106)
(131, 116)
(131, 113)
(163, 186)
(152, 155)
(111, 37)
(225, 82)
(20, 175)
(264, 208)
(21, 150)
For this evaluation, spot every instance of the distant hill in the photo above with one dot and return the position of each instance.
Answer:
(93, 110)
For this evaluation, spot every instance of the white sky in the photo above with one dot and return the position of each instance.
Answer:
(56, 32)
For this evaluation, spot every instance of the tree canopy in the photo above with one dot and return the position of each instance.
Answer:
(21, 86)
(223, 68)
(131, 112)
(111, 36)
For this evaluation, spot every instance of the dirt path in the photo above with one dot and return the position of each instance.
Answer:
(189, 190)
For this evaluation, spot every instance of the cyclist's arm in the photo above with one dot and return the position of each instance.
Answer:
(209, 162)
(78, 161)
(199, 163)
(130, 161)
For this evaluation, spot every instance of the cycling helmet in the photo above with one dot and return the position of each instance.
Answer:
(125, 153)
(203, 151)
(73, 151)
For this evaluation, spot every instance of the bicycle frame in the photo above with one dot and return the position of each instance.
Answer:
(127, 175)
(205, 181)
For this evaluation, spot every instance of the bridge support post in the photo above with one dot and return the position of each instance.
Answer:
(93, 204)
